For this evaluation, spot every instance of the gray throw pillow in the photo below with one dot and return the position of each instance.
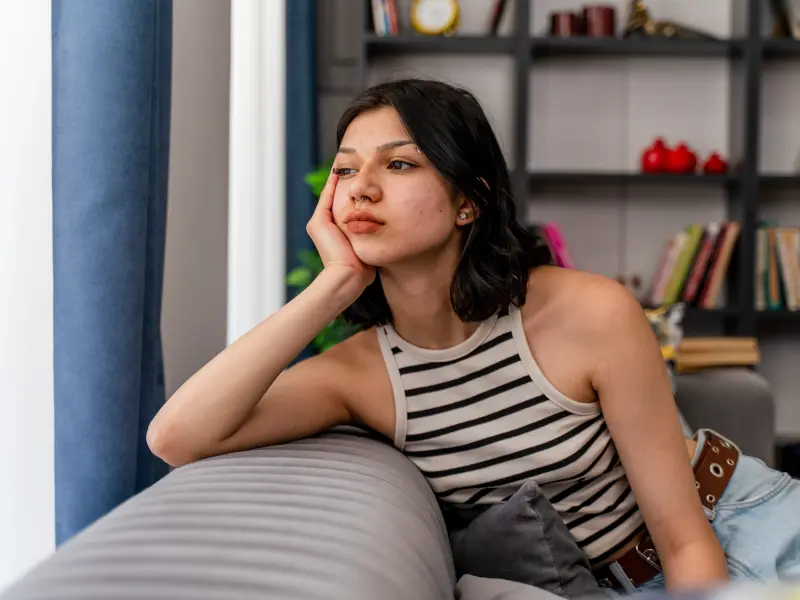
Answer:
(524, 540)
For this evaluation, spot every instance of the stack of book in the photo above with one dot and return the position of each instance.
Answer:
(777, 284)
(694, 264)
(699, 353)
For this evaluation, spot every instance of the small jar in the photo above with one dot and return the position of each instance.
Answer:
(599, 20)
(565, 24)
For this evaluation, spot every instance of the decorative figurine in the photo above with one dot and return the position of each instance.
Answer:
(715, 164)
(641, 24)
(793, 16)
(786, 15)
(667, 323)
(681, 159)
(654, 158)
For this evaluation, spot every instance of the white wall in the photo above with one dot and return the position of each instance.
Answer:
(195, 279)
(27, 523)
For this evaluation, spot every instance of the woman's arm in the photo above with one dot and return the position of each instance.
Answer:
(232, 403)
(235, 402)
(636, 398)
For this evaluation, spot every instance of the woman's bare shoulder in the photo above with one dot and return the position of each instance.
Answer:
(571, 320)
(575, 297)
(362, 374)
(359, 346)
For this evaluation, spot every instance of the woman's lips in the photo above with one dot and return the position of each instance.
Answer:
(362, 221)
(363, 226)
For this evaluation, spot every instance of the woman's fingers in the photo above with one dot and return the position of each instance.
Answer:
(328, 192)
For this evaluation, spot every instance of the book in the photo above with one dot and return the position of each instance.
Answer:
(496, 16)
(717, 270)
(777, 267)
(761, 267)
(391, 17)
(695, 361)
(683, 263)
(672, 250)
(694, 264)
(690, 345)
(701, 262)
(379, 17)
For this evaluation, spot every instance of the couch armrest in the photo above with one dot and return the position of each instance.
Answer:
(334, 517)
(736, 402)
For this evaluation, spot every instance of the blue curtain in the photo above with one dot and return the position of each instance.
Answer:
(111, 106)
(301, 127)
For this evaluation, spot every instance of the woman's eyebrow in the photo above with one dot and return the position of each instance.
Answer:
(381, 148)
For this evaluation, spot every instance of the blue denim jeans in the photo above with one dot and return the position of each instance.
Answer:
(757, 522)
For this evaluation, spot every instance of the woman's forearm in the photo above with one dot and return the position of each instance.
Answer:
(216, 400)
(697, 565)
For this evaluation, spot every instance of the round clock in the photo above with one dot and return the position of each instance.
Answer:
(434, 17)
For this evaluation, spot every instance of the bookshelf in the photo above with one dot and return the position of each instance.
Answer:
(747, 53)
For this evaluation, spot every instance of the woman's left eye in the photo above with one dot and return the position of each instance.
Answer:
(400, 165)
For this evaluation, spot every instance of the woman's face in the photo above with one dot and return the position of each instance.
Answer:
(410, 209)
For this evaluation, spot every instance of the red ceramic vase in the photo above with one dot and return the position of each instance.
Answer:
(715, 164)
(654, 157)
(681, 160)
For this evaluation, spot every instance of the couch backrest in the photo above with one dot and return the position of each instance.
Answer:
(338, 516)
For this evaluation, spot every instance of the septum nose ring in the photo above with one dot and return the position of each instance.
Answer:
(360, 200)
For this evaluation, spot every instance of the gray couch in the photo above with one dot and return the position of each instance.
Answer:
(341, 516)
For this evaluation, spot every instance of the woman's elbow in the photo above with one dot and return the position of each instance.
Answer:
(167, 444)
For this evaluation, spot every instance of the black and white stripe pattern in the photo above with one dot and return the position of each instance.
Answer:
(480, 419)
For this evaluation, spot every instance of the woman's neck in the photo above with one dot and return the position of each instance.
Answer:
(422, 313)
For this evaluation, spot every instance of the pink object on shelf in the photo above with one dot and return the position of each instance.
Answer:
(558, 246)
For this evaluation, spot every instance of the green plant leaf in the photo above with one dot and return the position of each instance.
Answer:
(299, 277)
(316, 179)
(324, 340)
(311, 259)
(334, 333)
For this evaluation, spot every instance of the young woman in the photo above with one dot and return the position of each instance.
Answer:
(485, 365)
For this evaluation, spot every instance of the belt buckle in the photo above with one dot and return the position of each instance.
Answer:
(649, 555)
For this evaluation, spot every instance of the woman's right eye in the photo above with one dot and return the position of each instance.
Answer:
(340, 171)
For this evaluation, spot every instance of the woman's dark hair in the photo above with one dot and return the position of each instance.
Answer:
(449, 126)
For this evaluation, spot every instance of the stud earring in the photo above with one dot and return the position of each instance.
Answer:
(462, 216)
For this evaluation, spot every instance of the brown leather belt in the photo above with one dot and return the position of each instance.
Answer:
(712, 472)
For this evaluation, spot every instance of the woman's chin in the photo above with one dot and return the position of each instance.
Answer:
(374, 255)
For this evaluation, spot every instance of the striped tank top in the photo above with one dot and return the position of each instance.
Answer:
(480, 419)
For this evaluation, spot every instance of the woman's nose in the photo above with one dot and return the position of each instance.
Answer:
(363, 187)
